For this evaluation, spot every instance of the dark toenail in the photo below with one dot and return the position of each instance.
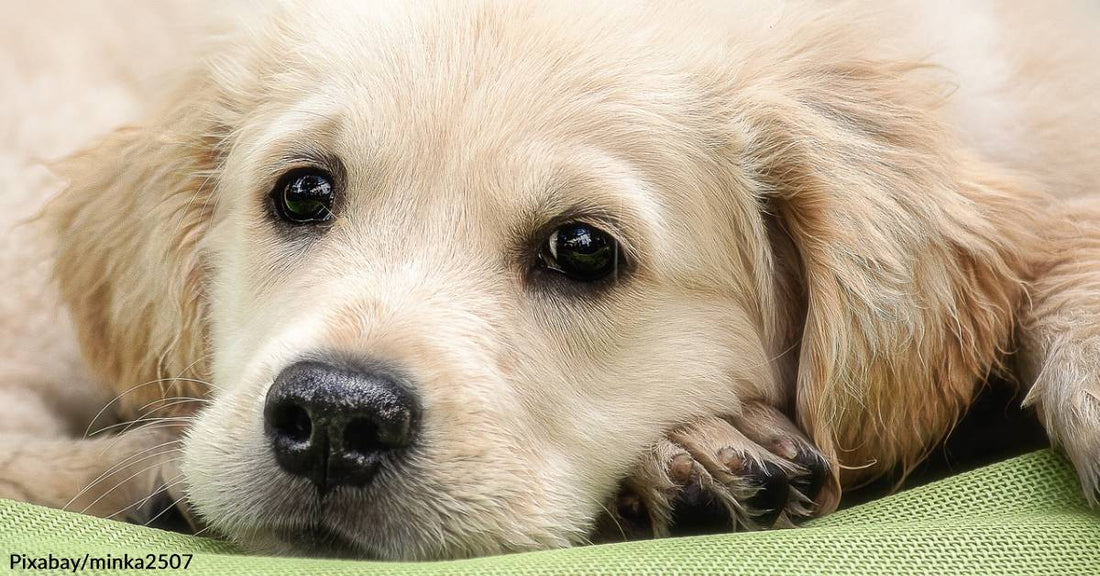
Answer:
(771, 498)
(679, 470)
(732, 459)
(696, 511)
(817, 472)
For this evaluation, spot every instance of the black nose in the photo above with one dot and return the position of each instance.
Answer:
(336, 424)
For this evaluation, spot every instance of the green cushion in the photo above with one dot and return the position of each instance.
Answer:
(1021, 516)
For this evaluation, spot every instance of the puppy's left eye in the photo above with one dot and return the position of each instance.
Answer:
(581, 252)
(304, 197)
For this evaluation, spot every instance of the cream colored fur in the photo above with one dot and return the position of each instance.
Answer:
(836, 208)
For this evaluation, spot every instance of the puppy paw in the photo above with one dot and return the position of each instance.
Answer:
(751, 472)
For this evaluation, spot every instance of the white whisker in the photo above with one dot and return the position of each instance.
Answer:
(144, 422)
(134, 388)
(117, 467)
(166, 509)
(123, 482)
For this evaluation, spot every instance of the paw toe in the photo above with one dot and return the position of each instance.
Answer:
(680, 468)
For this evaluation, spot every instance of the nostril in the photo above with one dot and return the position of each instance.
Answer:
(361, 437)
(293, 423)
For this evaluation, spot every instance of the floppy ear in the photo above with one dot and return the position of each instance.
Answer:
(913, 257)
(129, 262)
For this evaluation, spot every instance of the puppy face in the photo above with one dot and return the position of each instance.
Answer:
(448, 268)
(523, 216)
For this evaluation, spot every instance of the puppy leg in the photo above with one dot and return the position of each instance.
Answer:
(753, 471)
(127, 476)
(1059, 336)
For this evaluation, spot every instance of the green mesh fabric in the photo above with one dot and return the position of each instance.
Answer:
(1021, 516)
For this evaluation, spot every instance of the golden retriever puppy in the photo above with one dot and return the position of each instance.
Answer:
(436, 279)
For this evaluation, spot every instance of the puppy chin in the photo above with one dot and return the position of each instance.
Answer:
(285, 517)
(314, 535)
(316, 541)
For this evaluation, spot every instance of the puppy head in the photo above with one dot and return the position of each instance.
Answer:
(514, 222)
(530, 239)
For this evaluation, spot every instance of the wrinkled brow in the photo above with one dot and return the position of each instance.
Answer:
(304, 135)
(593, 189)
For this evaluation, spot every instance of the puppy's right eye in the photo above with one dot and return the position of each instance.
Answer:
(304, 197)
(581, 252)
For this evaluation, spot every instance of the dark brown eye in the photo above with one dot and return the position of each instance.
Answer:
(581, 252)
(304, 197)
